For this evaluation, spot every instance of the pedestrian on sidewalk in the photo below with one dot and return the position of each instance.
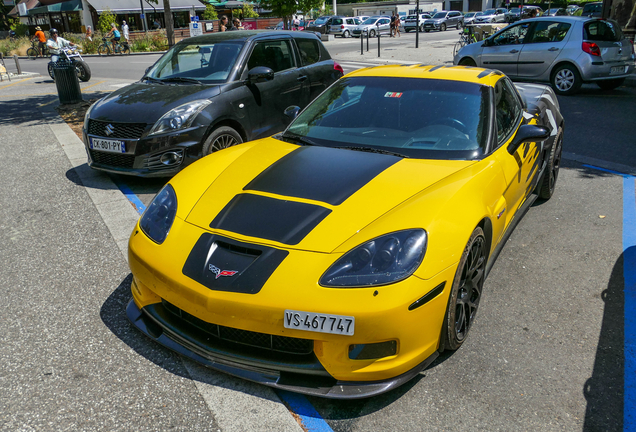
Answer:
(397, 26)
(89, 33)
(392, 31)
(223, 23)
(236, 24)
(124, 30)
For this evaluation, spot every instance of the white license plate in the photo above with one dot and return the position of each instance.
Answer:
(321, 323)
(111, 146)
(618, 70)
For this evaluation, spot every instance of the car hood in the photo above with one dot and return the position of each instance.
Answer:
(309, 197)
(147, 102)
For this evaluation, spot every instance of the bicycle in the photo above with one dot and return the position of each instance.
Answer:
(34, 51)
(107, 48)
(466, 37)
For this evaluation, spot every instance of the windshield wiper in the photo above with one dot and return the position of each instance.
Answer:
(374, 150)
(297, 138)
(151, 79)
(181, 79)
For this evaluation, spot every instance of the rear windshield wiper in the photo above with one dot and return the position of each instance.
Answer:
(151, 79)
(374, 150)
(181, 79)
(297, 138)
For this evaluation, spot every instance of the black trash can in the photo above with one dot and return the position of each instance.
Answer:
(68, 88)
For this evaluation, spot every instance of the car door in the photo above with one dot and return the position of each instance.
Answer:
(501, 51)
(542, 47)
(521, 168)
(265, 102)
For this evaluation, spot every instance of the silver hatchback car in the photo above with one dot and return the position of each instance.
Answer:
(565, 51)
(343, 26)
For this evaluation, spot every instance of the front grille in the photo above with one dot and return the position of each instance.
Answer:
(120, 130)
(259, 340)
(118, 160)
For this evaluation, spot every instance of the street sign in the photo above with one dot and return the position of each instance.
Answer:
(143, 16)
(195, 29)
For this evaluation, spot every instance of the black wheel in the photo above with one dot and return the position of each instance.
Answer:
(372, 33)
(465, 292)
(407, 30)
(457, 47)
(103, 50)
(83, 71)
(427, 30)
(126, 50)
(610, 84)
(32, 53)
(442, 27)
(460, 25)
(346, 34)
(552, 170)
(467, 61)
(50, 69)
(221, 138)
(566, 80)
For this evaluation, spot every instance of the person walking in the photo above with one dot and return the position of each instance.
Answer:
(223, 23)
(124, 30)
(89, 33)
(236, 24)
(392, 31)
(397, 26)
(41, 37)
(55, 44)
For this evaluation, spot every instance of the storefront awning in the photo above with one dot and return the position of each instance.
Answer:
(133, 6)
(67, 6)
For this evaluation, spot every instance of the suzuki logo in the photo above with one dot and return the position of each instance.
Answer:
(110, 129)
(218, 272)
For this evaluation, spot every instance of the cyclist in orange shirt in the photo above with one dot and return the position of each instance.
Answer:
(39, 35)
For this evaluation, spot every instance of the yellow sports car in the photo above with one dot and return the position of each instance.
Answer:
(339, 257)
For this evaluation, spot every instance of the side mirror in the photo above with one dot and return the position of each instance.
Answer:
(292, 111)
(487, 42)
(260, 74)
(528, 133)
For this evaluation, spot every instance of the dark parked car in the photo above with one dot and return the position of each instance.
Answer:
(592, 10)
(205, 94)
(444, 19)
(321, 25)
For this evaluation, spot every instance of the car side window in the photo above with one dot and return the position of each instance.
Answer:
(507, 110)
(276, 55)
(309, 51)
(384, 21)
(549, 31)
(512, 35)
(336, 21)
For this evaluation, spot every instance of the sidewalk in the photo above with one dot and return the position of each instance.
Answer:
(434, 53)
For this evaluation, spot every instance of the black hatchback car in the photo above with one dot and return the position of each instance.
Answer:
(206, 93)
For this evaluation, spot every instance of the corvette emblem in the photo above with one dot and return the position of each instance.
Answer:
(109, 129)
(218, 272)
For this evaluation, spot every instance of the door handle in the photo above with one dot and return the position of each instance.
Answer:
(553, 49)
(514, 51)
(301, 78)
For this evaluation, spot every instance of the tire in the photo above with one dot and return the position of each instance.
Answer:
(221, 138)
(465, 293)
(610, 84)
(83, 71)
(552, 169)
(372, 33)
(442, 27)
(565, 80)
(103, 50)
(467, 61)
(427, 30)
(50, 70)
(459, 25)
(407, 30)
(32, 53)
(346, 34)
(457, 47)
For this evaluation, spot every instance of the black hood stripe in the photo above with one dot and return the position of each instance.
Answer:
(268, 218)
(321, 174)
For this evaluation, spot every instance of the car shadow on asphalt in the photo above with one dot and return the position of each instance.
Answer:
(604, 390)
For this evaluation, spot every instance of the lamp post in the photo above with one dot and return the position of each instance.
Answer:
(417, 24)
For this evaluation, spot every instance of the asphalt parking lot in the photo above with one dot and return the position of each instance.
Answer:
(547, 351)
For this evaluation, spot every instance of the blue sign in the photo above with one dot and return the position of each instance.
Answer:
(143, 16)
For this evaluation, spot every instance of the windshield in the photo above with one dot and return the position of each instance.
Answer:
(370, 21)
(515, 11)
(420, 118)
(205, 62)
(321, 20)
(470, 14)
(490, 12)
(440, 15)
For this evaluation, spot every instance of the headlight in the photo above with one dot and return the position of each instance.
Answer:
(180, 117)
(158, 217)
(383, 260)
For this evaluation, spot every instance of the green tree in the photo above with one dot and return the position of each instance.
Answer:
(286, 9)
(210, 13)
(248, 11)
(106, 18)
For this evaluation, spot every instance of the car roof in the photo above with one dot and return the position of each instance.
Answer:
(245, 35)
(448, 73)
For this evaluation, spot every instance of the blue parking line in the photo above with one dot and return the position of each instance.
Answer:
(312, 421)
(134, 199)
(629, 314)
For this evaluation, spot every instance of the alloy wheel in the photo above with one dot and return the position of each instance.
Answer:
(470, 288)
(564, 79)
(223, 141)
